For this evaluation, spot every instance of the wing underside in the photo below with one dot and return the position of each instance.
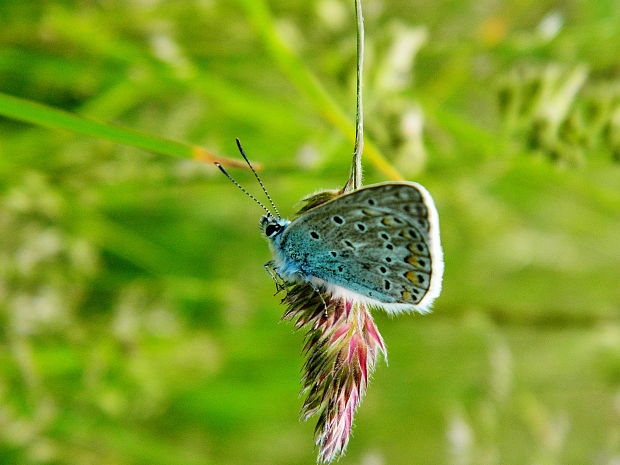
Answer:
(381, 242)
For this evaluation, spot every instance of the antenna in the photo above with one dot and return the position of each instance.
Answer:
(242, 189)
(257, 177)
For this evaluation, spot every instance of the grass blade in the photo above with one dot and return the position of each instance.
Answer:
(42, 115)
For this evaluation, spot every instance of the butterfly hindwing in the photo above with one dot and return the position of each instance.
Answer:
(381, 241)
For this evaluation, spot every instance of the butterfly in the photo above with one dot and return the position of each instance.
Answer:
(379, 245)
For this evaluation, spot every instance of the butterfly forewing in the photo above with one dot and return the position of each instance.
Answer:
(377, 241)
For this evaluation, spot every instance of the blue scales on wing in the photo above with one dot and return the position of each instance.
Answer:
(381, 241)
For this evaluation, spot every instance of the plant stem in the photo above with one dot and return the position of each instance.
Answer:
(355, 179)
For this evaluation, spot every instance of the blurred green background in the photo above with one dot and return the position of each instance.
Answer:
(137, 323)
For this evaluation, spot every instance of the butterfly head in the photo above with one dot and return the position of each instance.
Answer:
(272, 226)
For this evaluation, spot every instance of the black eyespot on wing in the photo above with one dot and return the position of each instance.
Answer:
(371, 202)
(420, 278)
(385, 236)
(340, 268)
(389, 246)
(413, 233)
(338, 219)
(349, 244)
(387, 285)
(421, 262)
(361, 227)
(383, 269)
(333, 254)
(397, 220)
(420, 247)
(314, 235)
(388, 259)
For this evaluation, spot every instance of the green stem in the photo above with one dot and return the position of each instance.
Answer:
(355, 179)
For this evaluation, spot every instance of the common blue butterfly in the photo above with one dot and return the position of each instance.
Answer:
(378, 244)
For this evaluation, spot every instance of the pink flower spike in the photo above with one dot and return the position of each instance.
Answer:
(339, 332)
(348, 305)
(341, 349)
(362, 360)
(353, 345)
(371, 329)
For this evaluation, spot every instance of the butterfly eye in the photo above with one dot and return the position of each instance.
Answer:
(271, 229)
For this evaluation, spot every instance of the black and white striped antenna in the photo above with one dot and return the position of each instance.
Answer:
(223, 170)
(257, 177)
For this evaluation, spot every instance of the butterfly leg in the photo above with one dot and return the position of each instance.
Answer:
(271, 270)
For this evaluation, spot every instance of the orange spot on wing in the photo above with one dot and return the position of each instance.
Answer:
(370, 212)
(413, 248)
